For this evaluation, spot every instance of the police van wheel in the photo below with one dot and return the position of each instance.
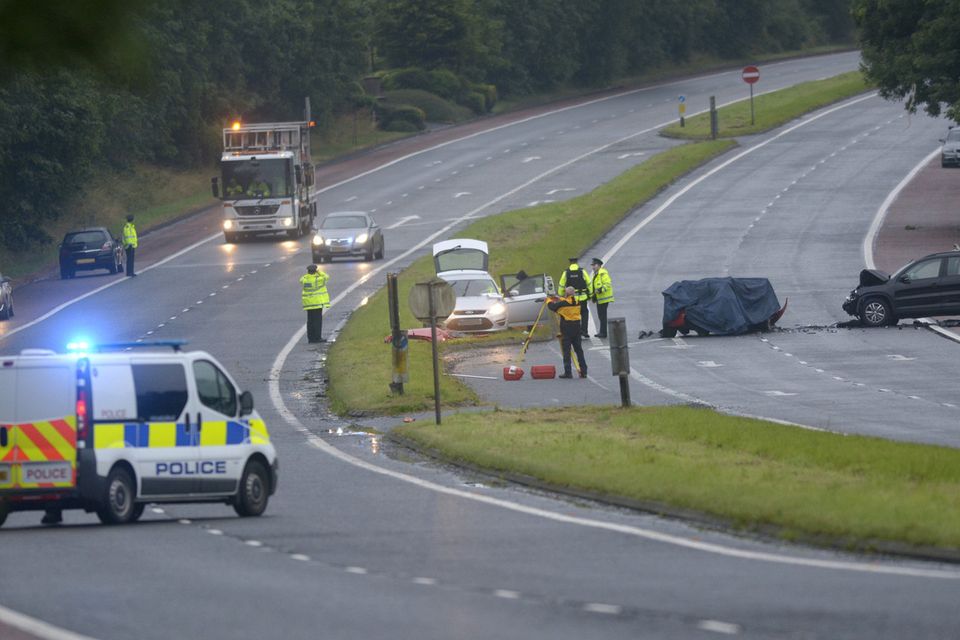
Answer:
(254, 491)
(117, 506)
(137, 511)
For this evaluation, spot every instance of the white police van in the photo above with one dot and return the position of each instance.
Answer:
(110, 431)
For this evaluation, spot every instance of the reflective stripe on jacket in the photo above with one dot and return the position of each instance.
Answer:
(582, 294)
(314, 290)
(602, 286)
(129, 235)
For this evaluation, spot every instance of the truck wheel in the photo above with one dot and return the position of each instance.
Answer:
(293, 234)
(116, 504)
(254, 491)
(3, 512)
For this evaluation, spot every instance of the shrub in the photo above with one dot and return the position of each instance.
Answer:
(435, 108)
(391, 115)
(474, 101)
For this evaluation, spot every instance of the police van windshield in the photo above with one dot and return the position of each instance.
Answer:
(251, 178)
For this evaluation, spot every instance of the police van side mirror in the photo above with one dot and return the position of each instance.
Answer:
(246, 403)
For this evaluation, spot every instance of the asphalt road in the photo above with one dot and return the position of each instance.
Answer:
(359, 544)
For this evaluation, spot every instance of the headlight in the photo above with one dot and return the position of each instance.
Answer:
(228, 224)
(288, 222)
(361, 238)
(497, 308)
(317, 240)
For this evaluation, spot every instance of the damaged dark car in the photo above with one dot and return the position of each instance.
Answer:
(923, 288)
(720, 306)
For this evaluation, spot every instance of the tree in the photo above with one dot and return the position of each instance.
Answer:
(911, 50)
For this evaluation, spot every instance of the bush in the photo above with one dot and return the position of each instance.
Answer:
(474, 101)
(391, 115)
(489, 92)
(435, 108)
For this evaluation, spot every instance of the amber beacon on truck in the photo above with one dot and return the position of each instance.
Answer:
(112, 428)
(266, 179)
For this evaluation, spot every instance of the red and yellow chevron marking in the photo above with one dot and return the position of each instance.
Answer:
(44, 441)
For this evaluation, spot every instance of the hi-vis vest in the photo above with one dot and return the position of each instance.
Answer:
(602, 286)
(576, 274)
(129, 235)
(314, 290)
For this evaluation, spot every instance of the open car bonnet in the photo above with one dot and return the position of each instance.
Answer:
(460, 255)
(871, 277)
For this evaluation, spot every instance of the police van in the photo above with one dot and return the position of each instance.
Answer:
(116, 427)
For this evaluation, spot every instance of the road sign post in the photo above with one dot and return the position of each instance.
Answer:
(432, 301)
(750, 75)
(682, 107)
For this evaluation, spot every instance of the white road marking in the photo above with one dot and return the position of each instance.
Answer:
(531, 159)
(351, 199)
(424, 581)
(709, 364)
(507, 593)
(553, 191)
(778, 393)
(253, 543)
(727, 628)
(599, 607)
(360, 571)
(37, 628)
(624, 156)
(460, 194)
(403, 220)
(299, 556)
(899, 358)
(215, 532)
(533, 204)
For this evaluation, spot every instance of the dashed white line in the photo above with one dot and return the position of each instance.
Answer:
(424, 581)
(360, 571)
(599, 607)
(727, 628)
(507, 594)
(300, 557)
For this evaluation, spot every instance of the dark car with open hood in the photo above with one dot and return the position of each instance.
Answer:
(923, 288)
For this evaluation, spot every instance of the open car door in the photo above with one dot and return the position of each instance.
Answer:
(524, 296)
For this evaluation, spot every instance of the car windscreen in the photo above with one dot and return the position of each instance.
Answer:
(480, 287)
(86, 238)
(344, 222)
(954, 135)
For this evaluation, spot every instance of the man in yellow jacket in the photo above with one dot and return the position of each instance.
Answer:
(568, 308)
(313, 294)
(602, 288)
(130, 244)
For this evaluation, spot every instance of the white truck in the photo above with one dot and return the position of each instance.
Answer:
(266, 181)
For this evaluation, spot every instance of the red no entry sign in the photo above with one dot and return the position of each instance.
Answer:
(750, 74)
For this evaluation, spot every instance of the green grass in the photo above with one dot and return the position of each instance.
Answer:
(773, 109)
(348, 134)
(537, 240)
(810, 485)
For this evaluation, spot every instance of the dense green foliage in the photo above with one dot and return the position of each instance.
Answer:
(100, 86)
(911, 49)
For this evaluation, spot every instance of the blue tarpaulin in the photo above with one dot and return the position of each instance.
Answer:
(723, 306)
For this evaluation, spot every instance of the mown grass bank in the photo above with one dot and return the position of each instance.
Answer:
(772, 109)
(846, 490)
(537, 240)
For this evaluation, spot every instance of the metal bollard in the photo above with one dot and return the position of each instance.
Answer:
(620, 356)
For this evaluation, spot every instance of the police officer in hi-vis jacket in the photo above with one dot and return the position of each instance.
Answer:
(313, 294)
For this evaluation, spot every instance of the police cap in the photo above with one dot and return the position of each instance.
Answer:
(311, 268)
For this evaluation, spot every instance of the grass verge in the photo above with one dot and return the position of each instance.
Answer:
(852, 490)
(536, 239)
(772, 109)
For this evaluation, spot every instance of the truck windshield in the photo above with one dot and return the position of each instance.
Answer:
(256, 178)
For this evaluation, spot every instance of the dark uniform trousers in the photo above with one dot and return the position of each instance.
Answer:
(315, 325)
(585, 318)
(130, 253)
(570, 338)
(602, 319)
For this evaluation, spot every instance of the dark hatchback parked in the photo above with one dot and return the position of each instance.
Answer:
(92, 248)
(926, 287)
